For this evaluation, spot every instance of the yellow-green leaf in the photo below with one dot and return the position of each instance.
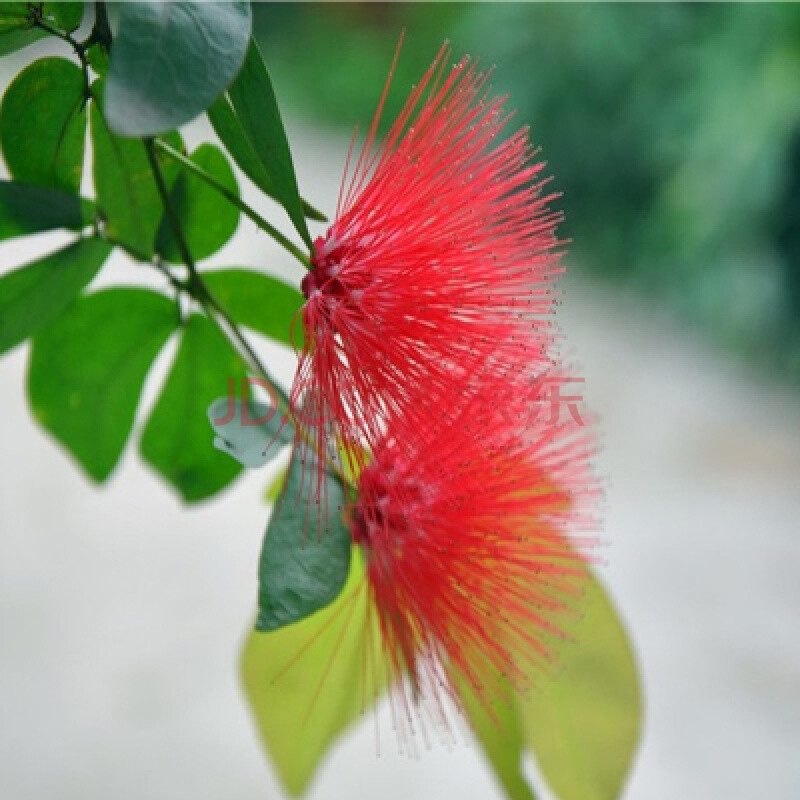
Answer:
(584, 723)
(306, 683)
(498, 730)
(275, 486)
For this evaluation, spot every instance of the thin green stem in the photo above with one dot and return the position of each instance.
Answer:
(198, 290)
(177, 284)
(46, 26)
(211, 303)
(101, 31)
(196, 287)
(172, 217)
(237, 201)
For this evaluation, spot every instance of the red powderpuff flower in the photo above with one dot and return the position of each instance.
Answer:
(470, 546)
(442, 254)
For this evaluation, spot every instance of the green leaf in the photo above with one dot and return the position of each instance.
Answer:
(99, 54)
(175, 441)
(170, 60)
(12, 39)
(256, 108)
(16, 27)
(43, 125)
(498, 731)
(311, 212)
(584, 724)
(87, 370)
(305, 557)
(64, 16)
(252, 438)
(98, 57)
(275, 487)
(33, 295)
(14, 16)
(126, 191)
(207, 219)
(260, 302)
(308, 682)
(231, 134)
(28, 209)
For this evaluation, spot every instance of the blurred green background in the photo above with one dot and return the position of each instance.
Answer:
(672, 130)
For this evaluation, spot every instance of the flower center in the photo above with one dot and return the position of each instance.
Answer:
(376, 520)
(389, 511)
(325, 267)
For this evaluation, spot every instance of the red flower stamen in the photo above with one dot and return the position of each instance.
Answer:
(470, 546)
(441, 259)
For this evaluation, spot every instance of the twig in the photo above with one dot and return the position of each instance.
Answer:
(199, 291)
(233, 198)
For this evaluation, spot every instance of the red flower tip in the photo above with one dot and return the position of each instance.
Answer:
(441, 257)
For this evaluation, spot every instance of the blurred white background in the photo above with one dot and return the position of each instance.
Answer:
(122, 612)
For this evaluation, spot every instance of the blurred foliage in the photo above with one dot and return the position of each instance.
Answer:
(672, 129)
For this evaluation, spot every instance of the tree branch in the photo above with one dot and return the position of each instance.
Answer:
(231, 197)
(199, 291)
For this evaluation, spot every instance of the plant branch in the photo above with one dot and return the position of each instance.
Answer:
(196, 287)
(233, 198)
(101, 31)
(198, 290)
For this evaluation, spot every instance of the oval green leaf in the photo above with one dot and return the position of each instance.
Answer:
(127, 194)
(14, 16)
(15, 39)
(251, 432)
(206, 218)
(88, 368)
(305, 556)
(66, 16)
(17, 27)
(308, 682)
(256, 108)
(584, 724)
(170, 60)
(232, 135)
(43, 125)
(175, 440)
(499, 733)
(98, 57)
(33, 295)
(28, 209)
(260, 302)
